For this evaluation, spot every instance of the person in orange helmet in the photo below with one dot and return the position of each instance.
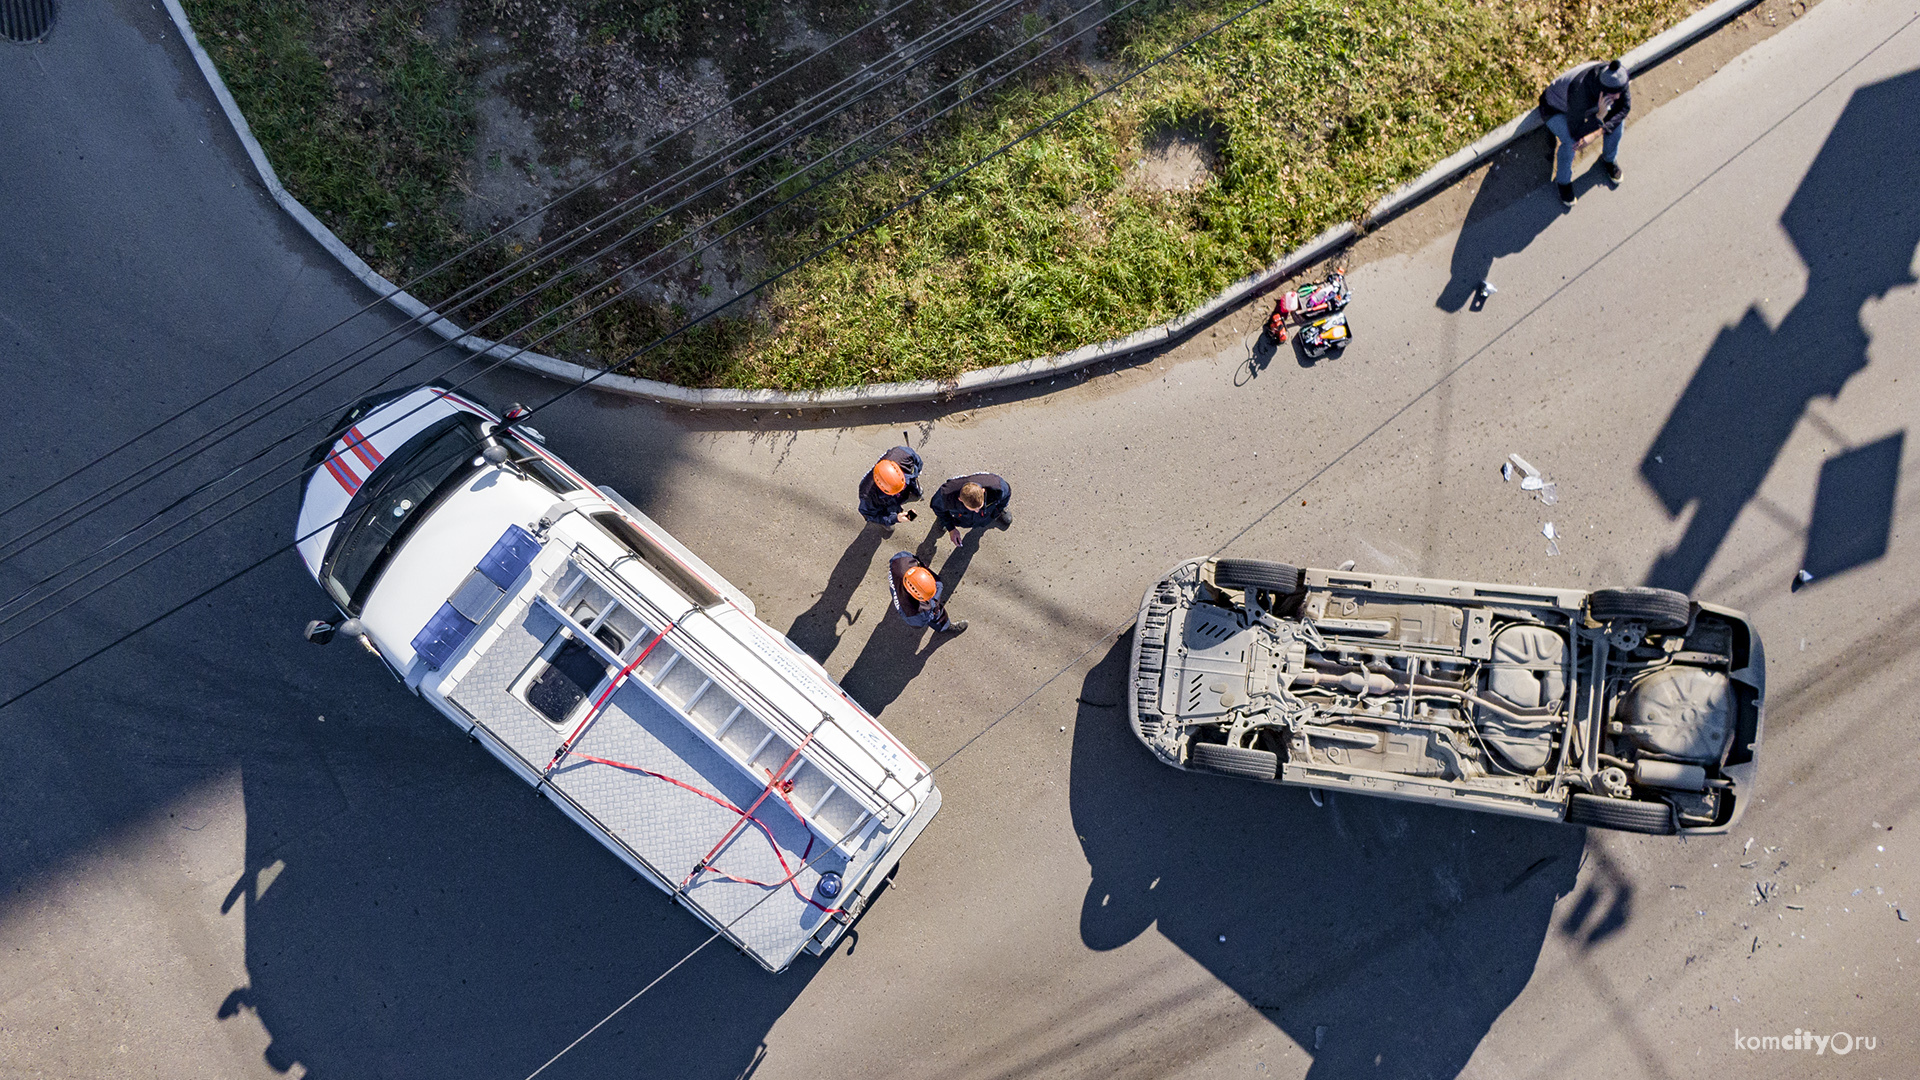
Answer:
(893, 480)
(919, 595)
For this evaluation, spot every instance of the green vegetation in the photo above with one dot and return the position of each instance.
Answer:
(1308, 109)
(372, 142)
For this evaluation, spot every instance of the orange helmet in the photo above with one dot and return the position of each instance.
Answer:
(920, 583)
(888, 477)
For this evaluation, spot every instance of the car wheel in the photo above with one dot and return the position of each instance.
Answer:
(1235, 760)
(1624, 815)
(1660, 609)
(1256, 573)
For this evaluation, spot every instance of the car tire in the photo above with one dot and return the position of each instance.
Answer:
(1622, 815)
(1258, 574)
(1660, 609)
(1234, 760)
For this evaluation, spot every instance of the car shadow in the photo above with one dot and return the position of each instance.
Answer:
(1383, 937)
(1514, 205)
(1754, 386)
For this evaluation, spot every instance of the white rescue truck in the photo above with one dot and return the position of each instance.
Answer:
(609, 667)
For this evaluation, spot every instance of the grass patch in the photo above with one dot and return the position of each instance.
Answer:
(1310, 109)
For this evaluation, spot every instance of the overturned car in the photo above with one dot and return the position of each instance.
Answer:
(1630, 708)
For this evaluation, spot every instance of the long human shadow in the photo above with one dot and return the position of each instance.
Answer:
(1383, 937)
(1514, 205)
(1755, 382)
(817, 629)
(893, 655)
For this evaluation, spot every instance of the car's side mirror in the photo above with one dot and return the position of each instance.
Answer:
(320, 631)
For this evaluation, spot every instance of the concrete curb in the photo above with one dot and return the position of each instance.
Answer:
(1659, 47)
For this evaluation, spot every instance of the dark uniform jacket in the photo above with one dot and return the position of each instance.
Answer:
(1577, 94)
(953, 514)
(931, 613)
(881, 508)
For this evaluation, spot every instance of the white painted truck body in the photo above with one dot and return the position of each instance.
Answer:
(608, 666)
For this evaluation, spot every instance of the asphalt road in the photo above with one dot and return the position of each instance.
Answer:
(227, 853)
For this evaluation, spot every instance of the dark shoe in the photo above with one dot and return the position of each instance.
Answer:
(1005, 518)
(1567, 196)
(955, 626)
(1612, 169)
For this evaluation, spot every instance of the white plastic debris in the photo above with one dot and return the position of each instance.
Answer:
(1803, 577)
(1532, 483)
(1347, 565)
(1549, 493)
(1223, 939)
(1506, 470)
(1314, 794)
(1521, 464)
(1553, 538)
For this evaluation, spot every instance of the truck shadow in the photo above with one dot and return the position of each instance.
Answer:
(1383, 937)
(447, 922)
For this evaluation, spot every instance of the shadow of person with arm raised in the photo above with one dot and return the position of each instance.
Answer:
(893, 655)
(1383, 937)
(1856, 224)
(817, 629)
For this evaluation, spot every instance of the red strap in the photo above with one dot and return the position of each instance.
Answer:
(581, 728)
(746, 815)
(773, 781)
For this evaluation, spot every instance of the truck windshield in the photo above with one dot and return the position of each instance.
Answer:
(398, 494)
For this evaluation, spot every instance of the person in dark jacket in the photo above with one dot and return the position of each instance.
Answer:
(971, 502)
(1589, 98)
(919, 595)
(893, 480)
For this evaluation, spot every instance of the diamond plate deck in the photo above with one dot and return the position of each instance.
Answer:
(667, 827)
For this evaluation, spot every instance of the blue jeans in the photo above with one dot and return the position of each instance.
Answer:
(1563, 155)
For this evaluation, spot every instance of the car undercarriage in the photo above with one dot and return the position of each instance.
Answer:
(1633, 708)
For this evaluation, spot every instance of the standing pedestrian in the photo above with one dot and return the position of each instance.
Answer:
(919, 595)
(971, 502)
(1586, 99)
(893, 480)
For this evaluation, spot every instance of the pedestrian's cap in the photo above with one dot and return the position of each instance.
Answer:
(920, 583)
(888, 477)
(1614, 75)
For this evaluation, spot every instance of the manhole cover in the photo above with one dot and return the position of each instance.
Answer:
(25, 20)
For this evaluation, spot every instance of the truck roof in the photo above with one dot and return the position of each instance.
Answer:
(721, 761)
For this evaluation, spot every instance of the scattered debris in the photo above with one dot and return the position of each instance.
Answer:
(1319, 1033)
(1803, 577)
(1314, 794)
(1749, 864)
(1531, 479)
(1902, 914)
(1796, 907)
(1347, 565)
(1223, 939)
(1748, 847)
(1553, 538)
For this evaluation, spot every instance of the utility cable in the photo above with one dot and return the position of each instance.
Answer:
(587, 314)
(554, 249)
(873, 223)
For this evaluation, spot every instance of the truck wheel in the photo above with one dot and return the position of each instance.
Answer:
(1237, 761)
(1660, 609)
(1256, 573)
(1625, 815)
